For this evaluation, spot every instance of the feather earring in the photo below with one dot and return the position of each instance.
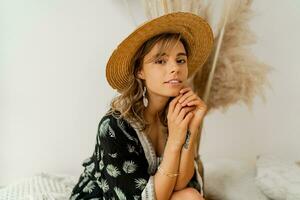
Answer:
(145, 100)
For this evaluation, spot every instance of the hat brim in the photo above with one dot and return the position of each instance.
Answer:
(195, 30)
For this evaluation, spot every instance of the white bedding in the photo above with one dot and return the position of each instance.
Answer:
(225, 179)
(277, 178)
(42, 186)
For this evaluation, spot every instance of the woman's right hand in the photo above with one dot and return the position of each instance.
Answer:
(178, 119)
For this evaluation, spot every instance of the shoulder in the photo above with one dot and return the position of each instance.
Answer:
(114, 122)
(116, 129)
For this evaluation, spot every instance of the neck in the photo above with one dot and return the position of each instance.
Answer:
(156, 104)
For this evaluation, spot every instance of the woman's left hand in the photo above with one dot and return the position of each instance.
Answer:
(189, 98)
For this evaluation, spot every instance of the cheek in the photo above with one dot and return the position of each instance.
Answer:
(155, 82)
(155, 75)
(185, 72)
(153, 78)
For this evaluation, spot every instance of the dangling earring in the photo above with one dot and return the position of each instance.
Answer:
(145, 100)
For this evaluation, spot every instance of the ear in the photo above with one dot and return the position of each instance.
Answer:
(141, 75)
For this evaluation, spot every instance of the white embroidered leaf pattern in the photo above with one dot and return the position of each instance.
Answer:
(136, 197)
(98, 140)
(121, 124)
(101, 165)
(130, 148)
(140, 183)
(129, 167)
(73, 197)
(120, 193)
(122, 127)
(89, 187)
(113, 155)
(90, 167)
(97, 174)
(103, 185)
(97, 155)
(112, 170)
(83, 181)
(103, 128)
(111, 132)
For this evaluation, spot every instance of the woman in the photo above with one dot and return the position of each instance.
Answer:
(145, 142)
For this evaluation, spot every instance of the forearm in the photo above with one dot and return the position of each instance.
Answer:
(186, 165)
(163, 184)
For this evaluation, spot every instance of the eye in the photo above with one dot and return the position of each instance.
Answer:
(159, 61)
(182, 61)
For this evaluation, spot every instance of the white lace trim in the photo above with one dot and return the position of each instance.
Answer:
(148, 149)
(149, 191)
(199, 178)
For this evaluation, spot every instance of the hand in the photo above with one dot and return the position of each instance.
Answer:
(178, 120)
(189, 99)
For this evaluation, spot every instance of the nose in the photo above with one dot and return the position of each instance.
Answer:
(174, 67)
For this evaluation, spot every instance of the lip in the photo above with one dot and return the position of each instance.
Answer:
(173, 84)
(174, 79)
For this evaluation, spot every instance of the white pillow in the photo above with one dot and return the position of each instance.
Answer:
(229, 179)
(277, 178)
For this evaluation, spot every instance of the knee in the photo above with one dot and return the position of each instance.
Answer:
(187, 193)
(192, 193)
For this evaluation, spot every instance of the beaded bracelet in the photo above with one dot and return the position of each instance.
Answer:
(167, 174)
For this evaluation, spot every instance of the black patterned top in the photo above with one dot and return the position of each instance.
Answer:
(122, 166)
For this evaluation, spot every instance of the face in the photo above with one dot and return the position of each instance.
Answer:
(171, 65)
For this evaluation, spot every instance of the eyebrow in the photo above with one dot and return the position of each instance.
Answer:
(179, 54)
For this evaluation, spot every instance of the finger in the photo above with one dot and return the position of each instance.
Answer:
(200, 100)
(202, 108)
(190, 98)
(177, 109)
(196, 102)
(184, 111)
(187, 118)
(185, 96)
(173, 103)
(183, 90)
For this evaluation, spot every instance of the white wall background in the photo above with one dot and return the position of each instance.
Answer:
(54, 92)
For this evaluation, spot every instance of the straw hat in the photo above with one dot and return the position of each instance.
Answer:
(195, 30)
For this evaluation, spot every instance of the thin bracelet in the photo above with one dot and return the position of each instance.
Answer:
(167, 174)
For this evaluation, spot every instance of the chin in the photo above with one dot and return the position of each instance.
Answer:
(173, 93)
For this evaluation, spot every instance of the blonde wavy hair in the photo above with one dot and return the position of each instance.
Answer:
(129, 104)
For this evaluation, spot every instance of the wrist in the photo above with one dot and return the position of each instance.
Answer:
(173, 145)
(194, 134)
